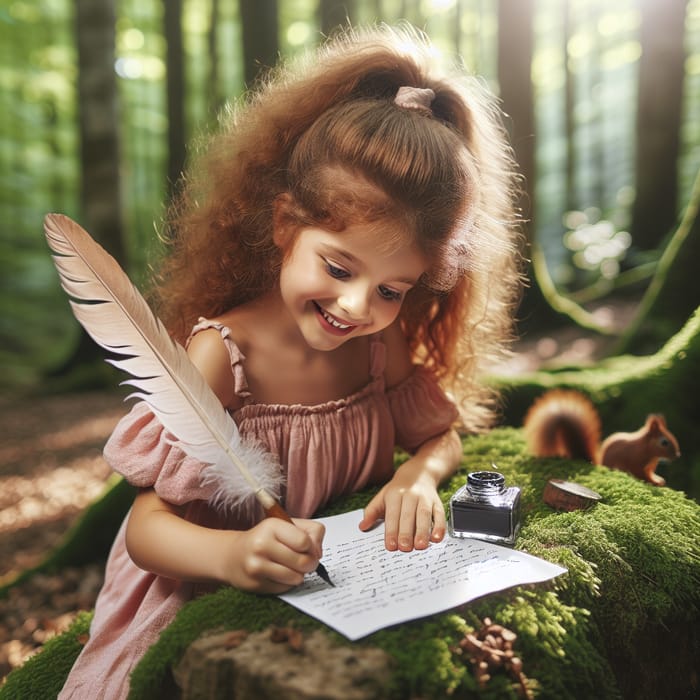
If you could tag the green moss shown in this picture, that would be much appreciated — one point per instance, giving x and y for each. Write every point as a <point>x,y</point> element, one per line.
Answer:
<point>624,616</point>
<point>43,674</point>
<point>633,560</point>
<point>625,389</point>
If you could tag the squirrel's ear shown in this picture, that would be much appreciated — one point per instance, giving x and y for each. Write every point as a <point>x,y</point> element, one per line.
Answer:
<point>655,421</point>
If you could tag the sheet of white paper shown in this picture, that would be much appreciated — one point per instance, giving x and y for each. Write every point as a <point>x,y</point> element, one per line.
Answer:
<point>375,588</point>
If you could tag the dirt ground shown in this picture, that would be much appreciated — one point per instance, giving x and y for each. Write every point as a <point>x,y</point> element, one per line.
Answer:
<point>51,469</point>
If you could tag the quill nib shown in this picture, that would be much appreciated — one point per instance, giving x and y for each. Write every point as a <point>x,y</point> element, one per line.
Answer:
<point>321,571</point>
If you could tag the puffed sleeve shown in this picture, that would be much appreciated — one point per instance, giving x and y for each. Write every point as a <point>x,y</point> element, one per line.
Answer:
<point>420,409</point>
<point>140,450</point>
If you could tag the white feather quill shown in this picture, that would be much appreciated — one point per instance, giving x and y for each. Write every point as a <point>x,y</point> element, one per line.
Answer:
<point>117,317</point>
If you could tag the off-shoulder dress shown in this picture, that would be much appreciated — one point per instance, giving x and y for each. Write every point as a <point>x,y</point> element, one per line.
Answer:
<point>325,450</point>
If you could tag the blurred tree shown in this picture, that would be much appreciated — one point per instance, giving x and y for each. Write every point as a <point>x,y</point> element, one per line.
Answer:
<point>336,13</point>
<point>215,98</point>
<point>659,111</point>
<point>98,116</point>
<point>674,291</point>
<point>98,125</point>
<point>569,89</point>
<point>175,90</point>
<point>260,30</point>
<point>515,50</point>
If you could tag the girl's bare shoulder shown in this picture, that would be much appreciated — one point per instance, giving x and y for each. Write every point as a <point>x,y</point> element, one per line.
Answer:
<point>247,324</point>
<point>209,354</point>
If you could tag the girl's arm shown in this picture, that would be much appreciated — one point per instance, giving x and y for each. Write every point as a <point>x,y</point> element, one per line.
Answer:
<point>410,505</point>
<point>271,557</point>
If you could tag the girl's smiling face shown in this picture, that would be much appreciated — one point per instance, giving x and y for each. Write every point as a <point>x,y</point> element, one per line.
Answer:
<point>337,286</point>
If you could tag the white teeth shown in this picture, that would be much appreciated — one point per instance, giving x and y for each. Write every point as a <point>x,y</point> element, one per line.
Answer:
<point>333,322</point>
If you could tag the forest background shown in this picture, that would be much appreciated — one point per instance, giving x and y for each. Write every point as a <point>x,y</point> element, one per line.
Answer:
<point>102,102</point>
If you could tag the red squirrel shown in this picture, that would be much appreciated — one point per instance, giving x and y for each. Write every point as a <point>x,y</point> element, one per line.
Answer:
<point>564,423</point>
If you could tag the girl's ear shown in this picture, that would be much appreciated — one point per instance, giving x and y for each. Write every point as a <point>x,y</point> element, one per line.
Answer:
<point>284,222</point>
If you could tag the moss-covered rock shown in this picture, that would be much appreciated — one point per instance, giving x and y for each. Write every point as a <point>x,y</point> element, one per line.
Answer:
<point>623,622</point>
<point>625,389</point>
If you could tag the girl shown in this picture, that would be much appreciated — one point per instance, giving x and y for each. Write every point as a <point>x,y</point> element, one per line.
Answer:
<point>344,254</point>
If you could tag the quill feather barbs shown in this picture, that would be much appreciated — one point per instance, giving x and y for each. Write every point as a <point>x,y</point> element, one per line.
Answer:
<point>117,317</point>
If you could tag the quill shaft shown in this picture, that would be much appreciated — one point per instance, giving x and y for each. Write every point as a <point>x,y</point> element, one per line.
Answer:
<point>117,317</point>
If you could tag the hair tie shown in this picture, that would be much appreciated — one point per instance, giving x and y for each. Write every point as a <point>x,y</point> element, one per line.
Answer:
<point>415,98</point>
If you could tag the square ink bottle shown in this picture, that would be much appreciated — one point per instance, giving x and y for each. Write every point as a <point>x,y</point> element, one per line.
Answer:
<point>485,509</point>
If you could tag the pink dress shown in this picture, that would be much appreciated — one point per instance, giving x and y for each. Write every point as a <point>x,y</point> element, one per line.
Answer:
<point>327,450</point>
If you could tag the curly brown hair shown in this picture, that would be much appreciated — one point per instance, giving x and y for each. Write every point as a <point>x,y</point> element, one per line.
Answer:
<point>446,174</point>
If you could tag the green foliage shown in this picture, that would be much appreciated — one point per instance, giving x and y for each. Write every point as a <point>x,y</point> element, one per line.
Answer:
<point>39,140</point>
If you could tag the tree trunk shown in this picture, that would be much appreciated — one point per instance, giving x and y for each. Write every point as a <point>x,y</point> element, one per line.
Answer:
<point>515,49</point>
<point>659,109</point>
<point>674,291</point>
<point>214,95</point>
<point>569,90</point>
<point>98,118</point>
<point>336,13</point>
<point>260,23</point>
<point>175,88</point>
<point>98,124</point>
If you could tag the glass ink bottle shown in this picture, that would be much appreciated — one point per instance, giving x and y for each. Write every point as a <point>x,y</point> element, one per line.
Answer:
<point>485,509</point>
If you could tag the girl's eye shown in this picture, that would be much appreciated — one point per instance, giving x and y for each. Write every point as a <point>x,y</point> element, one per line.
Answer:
<point>389,294</point>
<point>337,272</point>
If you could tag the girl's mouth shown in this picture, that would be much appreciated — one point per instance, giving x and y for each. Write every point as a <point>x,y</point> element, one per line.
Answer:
<point>331,323</point>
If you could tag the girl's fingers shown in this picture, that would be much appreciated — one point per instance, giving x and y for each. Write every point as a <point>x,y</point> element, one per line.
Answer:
<point>408,522</point>
<point>280,553</point>
<point>315,531</point>
<point>439,523</point>
<point>374,510</point>
<point>392,521</point>
<point>424,527</point>
<point>411,524</point>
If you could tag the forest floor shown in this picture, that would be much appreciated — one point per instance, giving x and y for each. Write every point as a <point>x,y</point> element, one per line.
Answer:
<point>51,469</point>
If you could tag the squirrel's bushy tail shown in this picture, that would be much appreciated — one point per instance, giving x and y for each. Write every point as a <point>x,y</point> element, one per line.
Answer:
<point>563,423</point>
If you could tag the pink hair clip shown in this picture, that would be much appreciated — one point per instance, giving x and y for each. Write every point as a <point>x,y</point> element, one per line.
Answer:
<point>415,98</point>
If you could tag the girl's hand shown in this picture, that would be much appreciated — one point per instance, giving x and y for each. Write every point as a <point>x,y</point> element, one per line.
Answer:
<point>412,510</point>
<point>269,558</point>
<point>273,556</point>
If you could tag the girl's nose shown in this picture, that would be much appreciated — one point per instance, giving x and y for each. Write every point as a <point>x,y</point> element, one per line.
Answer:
<point>354,302</point>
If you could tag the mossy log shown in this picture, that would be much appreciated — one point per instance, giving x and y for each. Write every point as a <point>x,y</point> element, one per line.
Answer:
<point>623,622</point>
<point>625,389</point>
